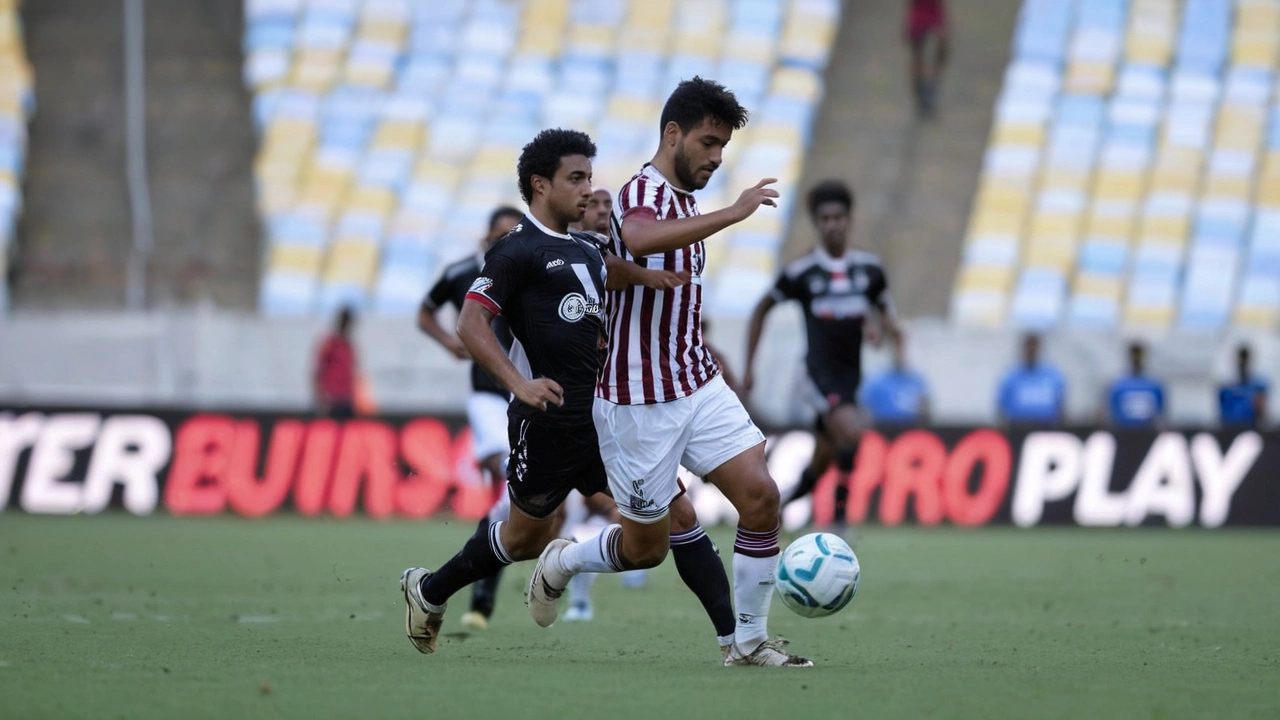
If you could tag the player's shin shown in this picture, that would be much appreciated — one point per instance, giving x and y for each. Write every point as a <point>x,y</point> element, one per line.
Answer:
<point>699,565</point>
<point>481,557</point>
<point>755,559</point>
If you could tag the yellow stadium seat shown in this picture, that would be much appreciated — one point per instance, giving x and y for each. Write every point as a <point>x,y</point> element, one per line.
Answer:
<point>1165,230</point>
<point>393,134</point>
<point>1097,285</point>
<point>1227,186</point>
<point>650,14</point>
<point>441,173</point>
<point>1153,316</point>
<point>372,199</point>
<point>1115,185</point>
<point>322,194</point>
<point>1054,178</point>
<point>754,259</point>
<point>376,75</point>
<point>626,107</point>
<point>750,48</point>
<point>353,263</point>
<point>1018,134</point>
<point>797,83</point>
<point>1268,192</point>
<point>1054,227</point>
<point>300,259</point>
<point>273,198</point>
<point>383,31</point>
<point>598,38</point>
<point>1090,78</point>
<point>1053,255</point>
<point>1267,318</point>
<point>974,277</point>
<point>1117,228</point>
<point>996,223</point>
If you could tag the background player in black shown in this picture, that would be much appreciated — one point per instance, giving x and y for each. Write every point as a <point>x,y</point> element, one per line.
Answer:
<point>840,290</point>
<point>487,406</point>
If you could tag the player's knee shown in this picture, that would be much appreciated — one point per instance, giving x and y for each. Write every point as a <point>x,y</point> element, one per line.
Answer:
<point>759,504</point>
<point>641,557</point>
<point>683,516</point>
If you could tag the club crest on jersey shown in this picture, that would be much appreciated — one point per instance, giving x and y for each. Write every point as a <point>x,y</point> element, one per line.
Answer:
<point>555,263</point>
<point>481,284</point>
<point>816,286</point>
<point>574,307</point>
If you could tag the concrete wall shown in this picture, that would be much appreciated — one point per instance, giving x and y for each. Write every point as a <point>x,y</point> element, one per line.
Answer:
<point>218,359</point>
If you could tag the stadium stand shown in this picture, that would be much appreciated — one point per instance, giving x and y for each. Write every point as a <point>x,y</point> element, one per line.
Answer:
<point>17,103</point>
<point>1132,177</point>
<point>389,129</point>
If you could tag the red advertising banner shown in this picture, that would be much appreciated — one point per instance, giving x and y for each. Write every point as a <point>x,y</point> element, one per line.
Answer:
<point>57,461</point>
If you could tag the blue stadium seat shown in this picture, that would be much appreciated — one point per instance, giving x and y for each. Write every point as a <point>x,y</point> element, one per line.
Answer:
<point>1101,256</point>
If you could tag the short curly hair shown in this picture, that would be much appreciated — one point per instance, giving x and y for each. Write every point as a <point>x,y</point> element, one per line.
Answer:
<point>830,191</point>
<point>542,156</point>
<point>695,100</point>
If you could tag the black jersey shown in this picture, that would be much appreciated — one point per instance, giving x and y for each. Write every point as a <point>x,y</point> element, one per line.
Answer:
<point>452,288</point>
<point>550,287</point>
<point>836,294</point>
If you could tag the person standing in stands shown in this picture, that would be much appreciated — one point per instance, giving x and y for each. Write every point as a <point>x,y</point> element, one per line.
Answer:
<point>1034,392</point>
<point>1243,403</point>
<point>900,396</point>
<point>1136,400</point>
<point>334,379</point>
<point>927,35</point>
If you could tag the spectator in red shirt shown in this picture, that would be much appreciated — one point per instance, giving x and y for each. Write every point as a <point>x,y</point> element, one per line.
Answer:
<point>335,371</point>
<point>926,20</point>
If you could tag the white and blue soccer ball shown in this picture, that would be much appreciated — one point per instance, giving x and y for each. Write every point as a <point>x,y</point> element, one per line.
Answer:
<point>817,575</point>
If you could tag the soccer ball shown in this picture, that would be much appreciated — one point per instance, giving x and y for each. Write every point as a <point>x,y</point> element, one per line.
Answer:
<point>817,575</point>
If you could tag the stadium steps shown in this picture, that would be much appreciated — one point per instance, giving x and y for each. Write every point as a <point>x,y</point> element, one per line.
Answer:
<point>915,180</point>
<point>75,236</point>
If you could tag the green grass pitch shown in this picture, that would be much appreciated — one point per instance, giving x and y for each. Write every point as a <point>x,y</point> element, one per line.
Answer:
<point>118,617</point>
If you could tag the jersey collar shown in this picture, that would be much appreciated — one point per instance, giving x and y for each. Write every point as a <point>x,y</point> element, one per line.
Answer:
<point>656,174</point>
<point>826,260</point>
<point>544,228</point>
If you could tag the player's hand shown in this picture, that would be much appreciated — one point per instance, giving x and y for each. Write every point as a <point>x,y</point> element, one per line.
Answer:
<point>541,392</point>
<point>666,279</point>
<point>872,334</point>
<point>752,198</point>
<point>458,350</point>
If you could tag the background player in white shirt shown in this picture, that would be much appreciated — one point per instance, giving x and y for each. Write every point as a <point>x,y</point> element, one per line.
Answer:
<point>661,401</point>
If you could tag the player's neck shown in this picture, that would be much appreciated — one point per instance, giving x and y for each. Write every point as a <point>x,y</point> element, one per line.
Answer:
<point>548,222</point>
<point>666,166</point>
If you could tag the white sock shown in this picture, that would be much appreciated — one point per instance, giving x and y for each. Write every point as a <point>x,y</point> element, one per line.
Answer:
<point>596,555</point>
<point>755,559</point>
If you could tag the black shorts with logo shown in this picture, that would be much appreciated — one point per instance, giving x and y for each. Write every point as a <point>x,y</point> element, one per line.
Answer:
<point>831,390</point>
<point>547,461</point>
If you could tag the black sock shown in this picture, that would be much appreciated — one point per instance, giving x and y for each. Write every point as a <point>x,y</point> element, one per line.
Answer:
<point>808,480</point>
<point>480,558</point>
<point>485,590</point>
<point>842,502</point>
<point>700,568</point>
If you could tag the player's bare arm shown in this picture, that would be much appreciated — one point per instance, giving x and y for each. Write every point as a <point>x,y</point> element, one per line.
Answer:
<point>475,328</point>
<point>754,333</point>
<point>428,324</point>
<point>624,274</point>
<point>644,234</point>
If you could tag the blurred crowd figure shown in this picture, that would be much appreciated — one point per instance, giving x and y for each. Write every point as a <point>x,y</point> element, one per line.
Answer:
<point>899,396</point>
<point>334,377</point>
<point>1243,402</point>
<point>927,36</point>
<point>1033,392</point>
<point>1135,400</point>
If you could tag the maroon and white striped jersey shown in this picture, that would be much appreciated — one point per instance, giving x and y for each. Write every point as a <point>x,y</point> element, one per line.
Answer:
<point>656,349</point>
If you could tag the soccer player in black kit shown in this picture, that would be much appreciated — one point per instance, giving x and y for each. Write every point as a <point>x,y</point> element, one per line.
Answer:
<point>839,289</point>
<point>549,284</point>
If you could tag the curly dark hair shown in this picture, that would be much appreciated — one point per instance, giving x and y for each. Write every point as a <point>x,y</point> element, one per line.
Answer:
<point>830,191</point>
<point>695,100</point>
<point>542,156</point>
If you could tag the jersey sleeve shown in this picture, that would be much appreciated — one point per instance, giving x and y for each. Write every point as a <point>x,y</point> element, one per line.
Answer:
<point>639,196</point>
<point>878,291</point>
<point>503,275</point>
<point>786,288</point>
<point>438,295</point>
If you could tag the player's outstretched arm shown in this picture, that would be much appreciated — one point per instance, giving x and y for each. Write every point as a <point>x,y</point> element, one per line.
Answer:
<point>753,339</point>
<point>624,274</point>
<point>428,324</point>
<point>644,234</point>
<point>475,328</point>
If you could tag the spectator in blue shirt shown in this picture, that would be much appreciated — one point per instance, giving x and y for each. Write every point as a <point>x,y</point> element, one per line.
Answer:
<point>900,396</point>
<point>1244,402</point>
<point>1136,400</point>
<point>1032,393</point>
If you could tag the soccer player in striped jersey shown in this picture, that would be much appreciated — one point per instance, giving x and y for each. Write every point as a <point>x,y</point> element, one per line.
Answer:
<point>661,401</point>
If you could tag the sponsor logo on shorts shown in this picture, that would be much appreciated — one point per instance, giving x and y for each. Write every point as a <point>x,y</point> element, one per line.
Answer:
<point>481,284</point>
<point>638,500</point>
